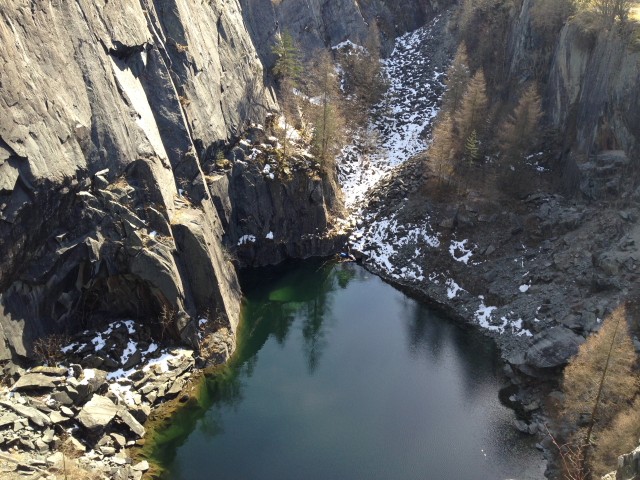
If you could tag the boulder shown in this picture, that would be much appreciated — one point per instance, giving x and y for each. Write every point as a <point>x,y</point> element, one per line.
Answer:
<point>553,348</point>
<point>36,381</point>
<point>34,415</point>
<point>131,422</point>
<point>97,413</point>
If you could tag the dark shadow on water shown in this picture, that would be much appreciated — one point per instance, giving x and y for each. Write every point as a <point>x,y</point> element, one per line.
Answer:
<point>297,302</point>
<point>275,298</point>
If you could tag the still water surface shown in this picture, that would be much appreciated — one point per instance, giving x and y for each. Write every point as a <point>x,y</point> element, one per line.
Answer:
<point>340,376</point>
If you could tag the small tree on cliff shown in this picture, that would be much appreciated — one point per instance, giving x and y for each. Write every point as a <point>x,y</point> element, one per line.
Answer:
<point>326,115</point>
<point>287,70</point>
<point>598,383</point>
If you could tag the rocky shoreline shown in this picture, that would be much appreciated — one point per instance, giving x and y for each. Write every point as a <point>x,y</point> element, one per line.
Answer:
<point>537,274</point>
<point>88,412</point>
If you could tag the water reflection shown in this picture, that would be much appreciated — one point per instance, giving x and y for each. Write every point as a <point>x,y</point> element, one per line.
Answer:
<point>338,375</point>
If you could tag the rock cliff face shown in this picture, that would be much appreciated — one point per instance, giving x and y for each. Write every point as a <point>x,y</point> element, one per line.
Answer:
<point>590,96</point>
<point>317,24</point>
<point>593,90</point>
<point>107,110</point>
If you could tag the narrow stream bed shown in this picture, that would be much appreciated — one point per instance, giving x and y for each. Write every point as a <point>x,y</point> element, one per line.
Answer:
<point>340,376</point>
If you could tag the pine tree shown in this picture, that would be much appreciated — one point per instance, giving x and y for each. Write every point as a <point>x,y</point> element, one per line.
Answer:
<point>288,63</point>
<point>598,383</point>
<point>442,152</point>
<point>472,147</point>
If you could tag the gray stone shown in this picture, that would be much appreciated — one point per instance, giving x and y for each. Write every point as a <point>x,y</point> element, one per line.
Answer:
<point>553,348</point>
<point>33,381</point>
<point>57,417</point>
<point>119,439</point>
<point>97,412</point>
<point>62,397</point>
<point>7,418</point>
<point>107,451</point>
<point>53,371</point>
<point>74,445</point>
<point>55,459</point>
<point>141,466</point>
<point>131,422</point>
<point>67,412</point>
<point>34,415</point>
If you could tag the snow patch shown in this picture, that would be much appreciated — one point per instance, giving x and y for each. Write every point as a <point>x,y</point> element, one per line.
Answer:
<point>452,288</point>
<point>246,239</point>
<point>460,252</point>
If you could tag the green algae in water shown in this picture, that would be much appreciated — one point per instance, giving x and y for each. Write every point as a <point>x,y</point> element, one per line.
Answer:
<point>345,377</point>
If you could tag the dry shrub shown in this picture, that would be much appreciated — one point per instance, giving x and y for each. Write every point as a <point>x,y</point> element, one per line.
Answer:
<point>47,349</point>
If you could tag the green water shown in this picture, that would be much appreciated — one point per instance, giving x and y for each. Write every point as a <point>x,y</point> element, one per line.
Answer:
<point>340,376</point>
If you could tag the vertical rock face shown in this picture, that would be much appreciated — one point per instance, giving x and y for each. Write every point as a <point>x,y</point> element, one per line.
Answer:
<point>594,84</point>
<point>319,24</point>
<point>106,109</point>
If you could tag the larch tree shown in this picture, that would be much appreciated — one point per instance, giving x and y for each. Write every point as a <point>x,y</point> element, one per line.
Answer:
<point>443,150</point>
<point>519,133</point>
<point>472,115</point>
<point>458,76</point>
<point>326,114</point>
<point>599,383</point>
<point>287,70</point>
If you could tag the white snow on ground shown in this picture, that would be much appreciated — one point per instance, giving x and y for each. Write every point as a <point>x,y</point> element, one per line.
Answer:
<point>269,236</point>
<point>384,239</point>
<point>349,44</point>
<point>128,351</point>
<point>406,110</point>
<point>483,314</point>
<point>99,342</point>
<point>267,171</point>
<point>460,252</point>
<point>246,239</point>
<point>452,288</point>
<point>524,288</point>
<point>484,317</point>
<point>397,134</point>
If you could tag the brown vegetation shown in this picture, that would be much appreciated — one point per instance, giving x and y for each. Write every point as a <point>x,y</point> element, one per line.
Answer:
<point>599,386</point>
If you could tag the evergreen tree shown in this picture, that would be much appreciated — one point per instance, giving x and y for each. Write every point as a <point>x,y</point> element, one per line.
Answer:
<point>442,152</point>
<point>472,147</point>
<point>363,76</point>
<point>519,133</point>
<point>288,63</point>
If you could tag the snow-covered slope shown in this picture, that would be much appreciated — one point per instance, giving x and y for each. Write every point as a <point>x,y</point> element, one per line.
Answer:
<point>404,116</point>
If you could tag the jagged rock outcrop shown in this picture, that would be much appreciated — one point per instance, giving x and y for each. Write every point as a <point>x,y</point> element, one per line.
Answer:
<point>106,112</point>
<point>273,209</point>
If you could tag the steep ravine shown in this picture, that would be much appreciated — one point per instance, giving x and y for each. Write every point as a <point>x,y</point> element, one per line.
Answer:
<point>112,117</point>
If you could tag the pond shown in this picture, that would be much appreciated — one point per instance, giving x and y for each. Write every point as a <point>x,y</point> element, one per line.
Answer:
<point>338,375</point>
